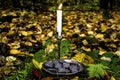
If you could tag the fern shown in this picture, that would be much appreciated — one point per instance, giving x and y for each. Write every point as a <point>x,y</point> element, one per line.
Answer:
<point>40,56</point>
<point>97,70</point>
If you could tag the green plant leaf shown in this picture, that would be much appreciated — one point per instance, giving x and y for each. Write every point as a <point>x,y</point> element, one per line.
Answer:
<point>64,50</point>
<point>115,71</point>
<point>91,39</point>
<point>94,54</point>
<point>96,70</point>
<point>116,60</point>
<point>108,54</point>
<point>47,42</point>
<point>104,62</point>
<point>39,56</point>
<point>65,43</point>
<point>52,55</point>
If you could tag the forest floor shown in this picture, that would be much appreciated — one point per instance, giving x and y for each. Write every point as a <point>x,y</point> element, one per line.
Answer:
<point>23,33</point>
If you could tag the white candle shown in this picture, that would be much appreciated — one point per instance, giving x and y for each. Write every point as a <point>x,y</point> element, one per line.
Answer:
<point>59,22</point>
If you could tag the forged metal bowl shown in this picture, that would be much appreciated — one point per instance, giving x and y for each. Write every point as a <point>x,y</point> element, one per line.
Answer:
<point>62,67</point>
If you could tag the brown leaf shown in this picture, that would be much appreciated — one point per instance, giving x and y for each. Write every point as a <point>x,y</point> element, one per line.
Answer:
<point>48,78</point>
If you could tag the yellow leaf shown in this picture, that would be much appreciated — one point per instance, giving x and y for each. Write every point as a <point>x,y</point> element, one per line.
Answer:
<point>49,48</point>
<point>103,27</point>
<point>113,45</point>
<point>82,35</point>
<point>83,58</point>
<point>50,34</point>
<point>24,33</point>
<point>43,37</point>
<point>9,63</point>
<point>14,45</point>
<point>29,32</point>
<point>10,32</point>
<point>14,51</point>
<point>23,53</point>
<point>10,58</point>
<point>68,34</point>
<point>30,54</point>
<point>89,25</point>
<point>90,32</point>
<point>86,49</point>
<point>65,28</point>
<point>106,58</point>
<point>32,40</point>
<point>6,72</point>
<point>75,78</point>
<point>117,53</point>
<point>64,57</point>
<point>101,52</point>
<point>37,64</point>
<point>76,30</point>
<point>13,14</point>
<point>112,78</point>
<point>99,36</point>
<point>4,39</point>
<point>40,65</point>
<point>23,13</point>
<point>14,20</point>
<point>73,46</point>
<point>4,14</point>
<point>85,42</point>
<point>28,43</point>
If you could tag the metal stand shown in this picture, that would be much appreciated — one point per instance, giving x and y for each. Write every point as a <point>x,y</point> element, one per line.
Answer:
<point>62,67</point>
<point>59,43</point>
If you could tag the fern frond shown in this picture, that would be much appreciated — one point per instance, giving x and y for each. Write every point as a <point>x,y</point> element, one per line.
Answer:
<point>96,70</point>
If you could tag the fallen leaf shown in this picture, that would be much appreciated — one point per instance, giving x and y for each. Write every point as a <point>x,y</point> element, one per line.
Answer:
<point>14,51</point>
<point>83,58</point>
<point>85,42</point>
<point>101,51</point>
<point>89,26</point>
<point>49,48</point>
<point>28,43</point>
<point>103,27</point>
<point>90,32</point>
<point>29,33</point>
<point>6,72</point>
<point>99,36</point>
<point>10,32</point>
<point>85,49</point>
<point>106,58</point>
<point>73,46</point>
<point>10,58</point>
<point>37,64</point>
<point>48,78</point>
<point>50,34</point>
<point>23,33</point>
<point>117,53</point>
<point>112,78</point>
<point>82,35</point>
<point>75,78</point>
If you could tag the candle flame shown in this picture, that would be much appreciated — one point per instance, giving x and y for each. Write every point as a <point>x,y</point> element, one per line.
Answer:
<point>60,6</point>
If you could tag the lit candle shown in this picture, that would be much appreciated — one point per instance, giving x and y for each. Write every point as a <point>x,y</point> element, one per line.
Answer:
<point>59,20</point>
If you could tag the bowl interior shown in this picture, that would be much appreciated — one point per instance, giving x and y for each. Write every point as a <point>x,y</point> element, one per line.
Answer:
<point>63,67</point>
